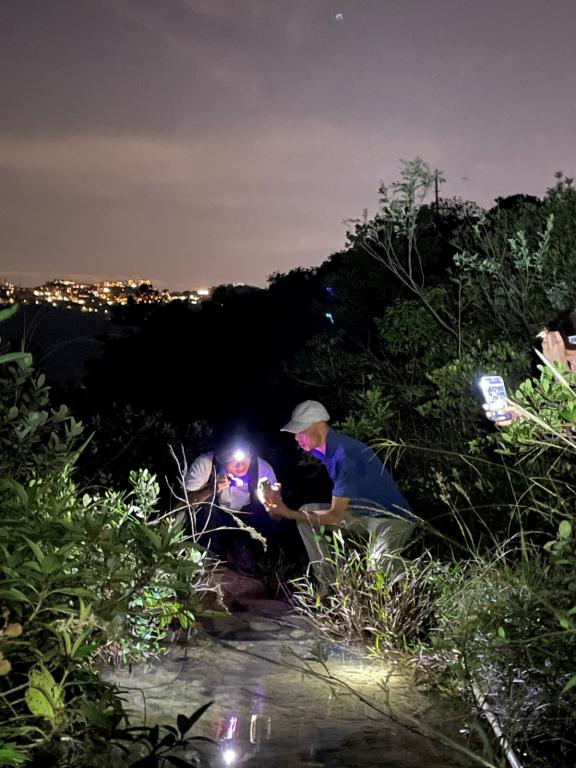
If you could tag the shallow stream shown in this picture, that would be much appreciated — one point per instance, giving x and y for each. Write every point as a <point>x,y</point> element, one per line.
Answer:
<point>282,698</point>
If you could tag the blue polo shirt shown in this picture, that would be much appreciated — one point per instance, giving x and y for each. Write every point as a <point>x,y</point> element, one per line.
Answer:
<point>359,475</point>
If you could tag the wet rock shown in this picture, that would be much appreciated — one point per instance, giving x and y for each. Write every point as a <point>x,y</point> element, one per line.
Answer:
<point>263,625</point>
<point>270,609</point>
<point>231,586</point>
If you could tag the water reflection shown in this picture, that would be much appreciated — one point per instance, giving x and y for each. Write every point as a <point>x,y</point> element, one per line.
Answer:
<point>238,737</point>
<point>265,713</point>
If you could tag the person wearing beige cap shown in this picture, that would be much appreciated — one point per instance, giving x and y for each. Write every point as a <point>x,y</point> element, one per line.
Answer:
<point>364,495</point>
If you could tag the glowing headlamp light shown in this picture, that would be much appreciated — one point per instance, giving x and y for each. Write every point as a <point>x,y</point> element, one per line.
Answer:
<point>239,455</point>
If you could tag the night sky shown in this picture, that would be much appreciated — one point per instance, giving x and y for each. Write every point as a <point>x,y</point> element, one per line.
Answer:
<point>196,142</point>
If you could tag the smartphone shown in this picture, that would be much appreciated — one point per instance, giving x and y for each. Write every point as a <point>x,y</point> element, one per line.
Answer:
<point>494,393</point>
<point>263,485</point>
<point>569,341</point>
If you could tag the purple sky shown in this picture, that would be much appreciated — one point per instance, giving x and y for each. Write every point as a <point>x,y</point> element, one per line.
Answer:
<point>204,141</point>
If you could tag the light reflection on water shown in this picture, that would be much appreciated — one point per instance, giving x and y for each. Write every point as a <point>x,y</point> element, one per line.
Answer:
<point>267,714</point>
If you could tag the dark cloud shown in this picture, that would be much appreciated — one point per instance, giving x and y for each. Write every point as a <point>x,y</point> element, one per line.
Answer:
<point>198,141</point>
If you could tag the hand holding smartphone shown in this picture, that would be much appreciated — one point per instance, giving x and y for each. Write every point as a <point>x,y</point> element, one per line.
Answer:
<point>268,493</point>
<point>495,398</point>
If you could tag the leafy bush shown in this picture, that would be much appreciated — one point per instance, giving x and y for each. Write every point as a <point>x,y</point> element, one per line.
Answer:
<point>510,620</point>
<point>80,574</point>
<point>369,416</point>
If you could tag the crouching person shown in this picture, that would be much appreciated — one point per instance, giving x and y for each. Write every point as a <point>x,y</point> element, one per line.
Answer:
<point>221,489</point>
<point>365,498</point>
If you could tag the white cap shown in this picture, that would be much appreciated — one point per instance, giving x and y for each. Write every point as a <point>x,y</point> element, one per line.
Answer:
<point>305,414</point>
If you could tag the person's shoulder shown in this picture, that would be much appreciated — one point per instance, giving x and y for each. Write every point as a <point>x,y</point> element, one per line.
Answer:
<point>204,459</point>
<point>199,472</point>
<point>347,443</point>
<point>348,449</point>
<point>264,467</point>
<point>200,468</point>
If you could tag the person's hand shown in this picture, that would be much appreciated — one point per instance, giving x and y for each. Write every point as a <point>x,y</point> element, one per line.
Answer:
<point>222,482</point>
<point>272,498</point>
<point>496,416</point>
<point>553,347</point>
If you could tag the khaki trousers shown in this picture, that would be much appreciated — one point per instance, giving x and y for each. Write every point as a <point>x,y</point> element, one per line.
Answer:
<point>387,535</point>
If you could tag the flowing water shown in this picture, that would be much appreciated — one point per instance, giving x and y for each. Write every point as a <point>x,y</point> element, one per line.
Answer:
<point>282,698</point>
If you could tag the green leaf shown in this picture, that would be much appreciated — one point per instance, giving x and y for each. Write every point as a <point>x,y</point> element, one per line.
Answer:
<point>86,650</point>
<point>182,723</point>
<point>94,714</point>
<point>565,623</point>
<point>39,704</point>
<point>51,563</point>
<point>13,594</point>
<point>185,723</point>
<point>152,537</point>
<point>18,489</point>
<point>570,684</point>
<point>12,357</point>
<point>168,740</point>
<point>38,554</point>
<point>565,530</point>
<point>74,591</point>
<point>8,755</point>
<point>501,633</point>
<point>65,637</point>
<point>44,696</point>
<point>154,735</point>
<point>6,314</point>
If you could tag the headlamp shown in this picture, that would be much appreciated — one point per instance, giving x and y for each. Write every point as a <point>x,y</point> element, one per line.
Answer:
<point>239,455</point>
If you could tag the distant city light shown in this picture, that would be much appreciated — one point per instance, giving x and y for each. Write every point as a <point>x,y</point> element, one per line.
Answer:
<point>96,297</point>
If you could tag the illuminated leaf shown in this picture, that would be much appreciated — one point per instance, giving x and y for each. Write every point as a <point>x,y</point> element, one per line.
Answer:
<point>44,696</point>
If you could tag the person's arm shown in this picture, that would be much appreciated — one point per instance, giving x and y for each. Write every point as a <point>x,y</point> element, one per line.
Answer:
<point>199,482</point>
<point>331,516</point>
<point>207,491</point>
<point>202,494</point>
